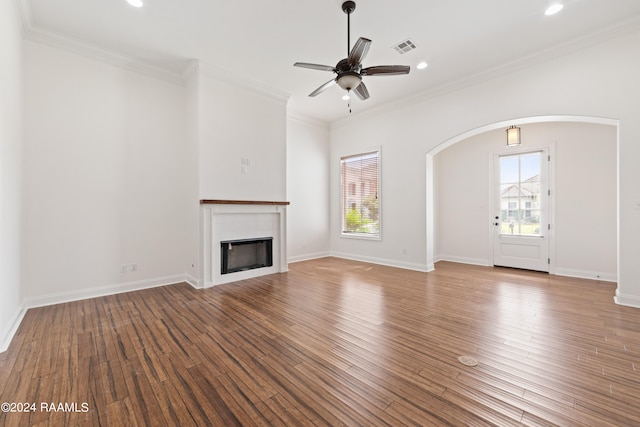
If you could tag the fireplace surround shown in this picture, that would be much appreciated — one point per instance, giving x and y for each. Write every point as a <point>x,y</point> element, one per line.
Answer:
<point>238,221</point>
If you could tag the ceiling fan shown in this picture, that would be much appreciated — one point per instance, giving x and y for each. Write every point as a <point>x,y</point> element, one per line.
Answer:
<point>349,71</point>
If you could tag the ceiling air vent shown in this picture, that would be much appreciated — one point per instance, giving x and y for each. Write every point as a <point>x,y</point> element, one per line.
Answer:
<point>404,46</point>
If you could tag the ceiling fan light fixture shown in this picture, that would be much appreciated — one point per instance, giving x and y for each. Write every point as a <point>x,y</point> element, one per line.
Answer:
<point>135,3</point>
<point>349,80</point>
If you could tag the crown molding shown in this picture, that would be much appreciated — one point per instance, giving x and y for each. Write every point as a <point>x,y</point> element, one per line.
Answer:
<point>24,13</point>
<point>110,57</point>
<point>191,66</point>
<point>191,69</point>
<point>30,32</point>
<point>252,85</point>
<point>306,119</point>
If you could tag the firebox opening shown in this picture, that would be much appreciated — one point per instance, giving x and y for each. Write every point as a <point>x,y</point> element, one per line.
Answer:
<point>245,254</point>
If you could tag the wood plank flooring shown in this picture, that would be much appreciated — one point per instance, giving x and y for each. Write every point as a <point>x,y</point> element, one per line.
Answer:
<point>334,342</point>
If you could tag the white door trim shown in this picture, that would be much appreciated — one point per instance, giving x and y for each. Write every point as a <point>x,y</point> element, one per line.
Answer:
<point>549,236</point>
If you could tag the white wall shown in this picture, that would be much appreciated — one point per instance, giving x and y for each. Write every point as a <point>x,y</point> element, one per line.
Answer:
<point>11,308</point>
<point>599,81</point>
<point>586,201</point>
<point>584,191</point>
<point>402,203</point>
<point>236,124</point>
<point>106,178</point>
<point>307,189</point>
<point>192,120</point>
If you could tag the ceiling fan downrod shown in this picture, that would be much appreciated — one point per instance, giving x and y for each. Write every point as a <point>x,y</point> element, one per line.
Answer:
<point>348,7</point>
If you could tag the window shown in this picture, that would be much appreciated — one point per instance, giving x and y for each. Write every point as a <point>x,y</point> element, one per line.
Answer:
<point>520,193</point>
<point>360,195</point>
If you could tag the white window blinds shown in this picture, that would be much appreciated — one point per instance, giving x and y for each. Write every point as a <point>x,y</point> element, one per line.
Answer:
<point>360,194</point>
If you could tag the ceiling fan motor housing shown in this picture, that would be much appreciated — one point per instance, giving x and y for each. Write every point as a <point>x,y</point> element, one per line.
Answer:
<point>343,66</point>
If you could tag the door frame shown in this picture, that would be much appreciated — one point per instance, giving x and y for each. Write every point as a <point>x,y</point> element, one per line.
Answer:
<point>550,149</point>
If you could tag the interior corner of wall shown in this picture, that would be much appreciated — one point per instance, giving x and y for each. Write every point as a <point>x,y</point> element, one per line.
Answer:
<point>8,332</point>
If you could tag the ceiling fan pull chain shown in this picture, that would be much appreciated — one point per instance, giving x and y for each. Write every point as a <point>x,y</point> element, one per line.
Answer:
<point>349,102</point>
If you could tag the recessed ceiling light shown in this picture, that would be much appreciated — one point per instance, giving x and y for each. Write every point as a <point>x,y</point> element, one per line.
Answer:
<point>135,3</point>
<point>422,65</point>
<point>553,9</point>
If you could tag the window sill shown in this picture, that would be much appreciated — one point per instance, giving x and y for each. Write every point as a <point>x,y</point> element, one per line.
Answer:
<point>360,236</point>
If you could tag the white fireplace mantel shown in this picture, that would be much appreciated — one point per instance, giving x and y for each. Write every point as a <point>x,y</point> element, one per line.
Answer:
<point>222,220</point>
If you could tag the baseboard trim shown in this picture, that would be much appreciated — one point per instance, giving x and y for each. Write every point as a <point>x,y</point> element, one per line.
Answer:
<point>464,260</point>
<point>307,257</point>
<point>382,261</point>
<point>63,297</point>
<point>10,331</point>
<point>627,300</point>
<point>195,283</point>
<point>583,274</point>
<point>567,272</point>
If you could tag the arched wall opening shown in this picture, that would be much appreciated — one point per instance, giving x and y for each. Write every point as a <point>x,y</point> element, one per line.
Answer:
<point>431,187</point>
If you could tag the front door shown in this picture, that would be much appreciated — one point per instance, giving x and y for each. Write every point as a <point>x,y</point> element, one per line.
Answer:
<point>521,210</point>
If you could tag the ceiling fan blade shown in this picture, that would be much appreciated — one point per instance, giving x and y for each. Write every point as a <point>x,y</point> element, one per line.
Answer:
<point>324,87</point>
<point>389,70</point>
<point>361,91</point>
<point>359,51</point>
<point>314,66</point>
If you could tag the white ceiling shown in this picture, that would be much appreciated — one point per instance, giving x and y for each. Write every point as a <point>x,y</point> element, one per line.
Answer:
<point>258,41</point>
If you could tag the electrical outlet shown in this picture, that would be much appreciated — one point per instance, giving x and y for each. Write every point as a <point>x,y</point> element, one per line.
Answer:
<point>134,267</point>
<point>123,269</point>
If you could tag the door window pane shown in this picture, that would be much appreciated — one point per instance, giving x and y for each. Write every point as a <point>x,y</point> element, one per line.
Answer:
<point>520,194</point>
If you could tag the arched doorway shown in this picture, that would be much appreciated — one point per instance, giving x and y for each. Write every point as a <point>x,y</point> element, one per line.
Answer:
<point>498,129</point>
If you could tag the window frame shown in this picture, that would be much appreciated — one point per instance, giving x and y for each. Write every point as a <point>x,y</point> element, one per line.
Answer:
<point>345,197</point>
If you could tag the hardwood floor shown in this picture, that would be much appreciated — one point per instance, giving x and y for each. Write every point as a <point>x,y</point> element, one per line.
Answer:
<point>334,342</point>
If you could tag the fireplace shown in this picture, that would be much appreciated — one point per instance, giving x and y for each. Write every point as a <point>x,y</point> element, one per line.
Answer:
<point>245,254</point>
<point>241,224</point>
